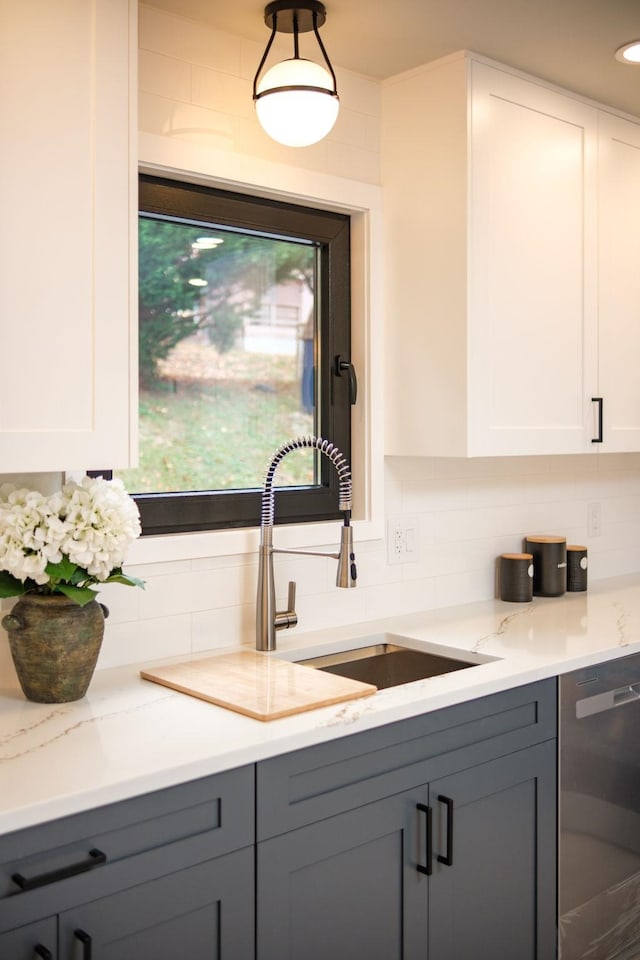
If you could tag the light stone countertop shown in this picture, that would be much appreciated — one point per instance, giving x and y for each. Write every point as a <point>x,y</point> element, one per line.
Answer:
<point>129,736</point>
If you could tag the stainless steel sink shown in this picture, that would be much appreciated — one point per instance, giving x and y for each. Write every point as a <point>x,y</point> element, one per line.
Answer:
<point>392,661</point>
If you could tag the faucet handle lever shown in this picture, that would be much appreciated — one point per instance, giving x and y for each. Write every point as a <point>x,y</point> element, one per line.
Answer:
<point>291,597</point>
<point>287,618</point>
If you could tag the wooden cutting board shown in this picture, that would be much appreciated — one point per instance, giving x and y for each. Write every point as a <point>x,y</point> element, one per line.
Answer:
<point>257,684</point>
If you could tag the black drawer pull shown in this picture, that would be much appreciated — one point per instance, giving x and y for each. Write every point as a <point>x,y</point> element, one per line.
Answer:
<point>42,879</point>
<point>86,942</point>
<point>427,868</point>
<point>448,857</point>
<point>42,952</point>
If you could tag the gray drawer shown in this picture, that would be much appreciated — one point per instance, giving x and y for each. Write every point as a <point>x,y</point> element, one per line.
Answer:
<point>308,785</point>
<point>195,821</point>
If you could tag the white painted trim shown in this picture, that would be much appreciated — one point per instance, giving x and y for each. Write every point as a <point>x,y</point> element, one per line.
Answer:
<point>196,163</point>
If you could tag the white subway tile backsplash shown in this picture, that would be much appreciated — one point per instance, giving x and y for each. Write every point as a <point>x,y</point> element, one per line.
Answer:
<point>187,40</point>
<point>218,91</point>
<point>393,599</point>
<point>333,608</point>
<point>432,495</point>
<point>350,128</point>
<point>352,162</point>
<point>359,93</point>
<point>144,640</point>
<point>469,512</point>
<point>223,587</point>
<point>164,76</point>
<point>373,133</point>
<point>224,627</point>
<point>185,121</point>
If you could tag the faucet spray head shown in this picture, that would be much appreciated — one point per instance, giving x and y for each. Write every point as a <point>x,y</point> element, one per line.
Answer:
<point>347,573</point>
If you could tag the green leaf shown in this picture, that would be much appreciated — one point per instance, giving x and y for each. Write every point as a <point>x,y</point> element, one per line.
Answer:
<point>119,577</point>
<point>79,595</point>
<point>63,570</point>
<point>10,586</point>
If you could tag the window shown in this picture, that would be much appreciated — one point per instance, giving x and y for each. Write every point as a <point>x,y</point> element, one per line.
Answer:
<point>244,343</point>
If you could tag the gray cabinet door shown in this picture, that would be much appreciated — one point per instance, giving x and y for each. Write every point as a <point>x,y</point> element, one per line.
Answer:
<point>35,941</point>
<point>497,898</point>
<point>202,913</point>
<point>347,887</point>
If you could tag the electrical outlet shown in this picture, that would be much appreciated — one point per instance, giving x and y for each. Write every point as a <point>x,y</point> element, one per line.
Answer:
<point>403,540</point>
<point>594,518</point>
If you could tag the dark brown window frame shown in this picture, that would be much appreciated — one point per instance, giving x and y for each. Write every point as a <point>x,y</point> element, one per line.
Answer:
<point>188,511</point>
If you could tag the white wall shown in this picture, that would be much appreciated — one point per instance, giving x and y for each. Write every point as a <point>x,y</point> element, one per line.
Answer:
<point>196,85</point>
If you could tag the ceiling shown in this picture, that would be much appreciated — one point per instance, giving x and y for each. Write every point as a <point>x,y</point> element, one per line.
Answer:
<point>567,42</point>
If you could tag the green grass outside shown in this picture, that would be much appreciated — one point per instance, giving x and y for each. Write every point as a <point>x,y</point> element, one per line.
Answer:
<point>220,432</point>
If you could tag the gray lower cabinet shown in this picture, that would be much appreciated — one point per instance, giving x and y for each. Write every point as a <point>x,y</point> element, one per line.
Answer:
<point>165,875</point>
<point>346,887</point>
<point>459,866</point>
<point>203,913</point>
<point>30,942</point>
<point>495,897</point>
<point>429,837</point>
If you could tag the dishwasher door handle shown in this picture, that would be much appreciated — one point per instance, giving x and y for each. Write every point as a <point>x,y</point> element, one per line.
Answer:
<point>601,702</point>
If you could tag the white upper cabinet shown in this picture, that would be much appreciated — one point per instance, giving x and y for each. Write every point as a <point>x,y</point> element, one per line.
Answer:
<point>67,235</point>
<point>491,202</point>
<point>619,281</point>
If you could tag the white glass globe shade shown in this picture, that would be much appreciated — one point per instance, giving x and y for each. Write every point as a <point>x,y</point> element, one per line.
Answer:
<point>296,118</point>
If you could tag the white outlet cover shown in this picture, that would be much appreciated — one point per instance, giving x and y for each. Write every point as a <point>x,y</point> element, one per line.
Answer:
<point>403,540</point>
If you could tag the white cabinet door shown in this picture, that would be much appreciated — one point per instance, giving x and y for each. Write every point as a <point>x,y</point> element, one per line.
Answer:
<point>67,196</point>
<point>490,186</point>
<point>619,282</point>
<point>532,327</point>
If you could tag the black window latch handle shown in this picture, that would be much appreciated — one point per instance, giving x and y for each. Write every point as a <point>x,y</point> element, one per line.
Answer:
<point>342,367</point>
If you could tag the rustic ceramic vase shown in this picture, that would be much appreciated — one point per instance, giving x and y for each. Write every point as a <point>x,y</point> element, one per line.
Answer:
<point>55,645</point>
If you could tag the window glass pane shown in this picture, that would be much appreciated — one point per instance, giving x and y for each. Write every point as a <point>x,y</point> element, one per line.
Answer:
<point>228,357</point>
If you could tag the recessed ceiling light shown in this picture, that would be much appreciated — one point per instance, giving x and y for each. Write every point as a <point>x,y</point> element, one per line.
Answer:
<point>629,53</point>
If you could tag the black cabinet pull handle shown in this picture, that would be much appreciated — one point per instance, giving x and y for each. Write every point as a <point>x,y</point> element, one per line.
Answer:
<point>86,942</point>
<point>41,951</point>
<point>600,402</point>
<point>42,879</point>
<point>427,868</point>
<point>344,366</point>
<point>448,857</point>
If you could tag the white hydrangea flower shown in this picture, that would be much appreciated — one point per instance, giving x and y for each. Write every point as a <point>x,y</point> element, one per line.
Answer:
<point>101,521</point>
<point>91,523</point>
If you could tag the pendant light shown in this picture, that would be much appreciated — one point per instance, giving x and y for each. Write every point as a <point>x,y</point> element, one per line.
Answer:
<point>296,100</point>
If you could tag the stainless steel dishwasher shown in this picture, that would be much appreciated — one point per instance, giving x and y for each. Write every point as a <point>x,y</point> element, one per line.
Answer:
<point>599,823</point>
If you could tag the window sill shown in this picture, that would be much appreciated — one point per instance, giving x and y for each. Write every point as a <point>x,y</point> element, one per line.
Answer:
<point>220,543</point>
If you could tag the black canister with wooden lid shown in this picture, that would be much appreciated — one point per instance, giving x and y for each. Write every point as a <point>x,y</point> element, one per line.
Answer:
<point>516,577</point>
<point>577,563</point>
<point>549,565</point>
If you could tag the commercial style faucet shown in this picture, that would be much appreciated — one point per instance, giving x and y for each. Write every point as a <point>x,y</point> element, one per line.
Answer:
<point>268,619</point>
